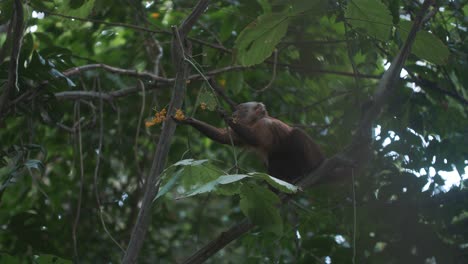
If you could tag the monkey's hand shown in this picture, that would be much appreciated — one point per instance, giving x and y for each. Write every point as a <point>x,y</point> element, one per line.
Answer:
<point>223,113</point>
<point>225,116</point>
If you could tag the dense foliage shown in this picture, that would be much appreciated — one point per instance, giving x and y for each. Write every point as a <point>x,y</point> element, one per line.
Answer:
<point>75,151</point>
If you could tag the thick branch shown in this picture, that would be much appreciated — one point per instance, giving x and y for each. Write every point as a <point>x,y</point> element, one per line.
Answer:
<point>360,141</point>
<point>153,179</point>
<point>16,47</point>
<point>188,23</point>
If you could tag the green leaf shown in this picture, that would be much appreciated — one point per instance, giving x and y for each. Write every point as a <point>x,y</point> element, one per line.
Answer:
<point>266,7</point>
<point>72,8</point>
<point>5,258</point>
<point>258,40</point>
<point>234,82</point>
<point>51,259</point>
<point>171,183</point>
<point>276,183</point>
<point>370,15</point>
<point>6,8</point>
<point>195,171</point>
<point>210,186</point>
<point>426,45</point>
<point>83,11</point>
<point>190,162</point>
<point>260,205</point>
<point>74,4</point>
<point>311,7</point>
<point>207,97</point>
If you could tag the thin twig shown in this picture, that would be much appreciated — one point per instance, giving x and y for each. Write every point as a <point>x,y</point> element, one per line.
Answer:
<point>80,194</point>
<point>273,76</point>
<point>140,119</point>
<point>79,69</point>
<point>96,169</point>
<point>97,21</point>
<point>154,77</point>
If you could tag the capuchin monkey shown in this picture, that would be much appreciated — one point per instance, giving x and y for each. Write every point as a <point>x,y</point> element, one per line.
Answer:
<point>287,152</point>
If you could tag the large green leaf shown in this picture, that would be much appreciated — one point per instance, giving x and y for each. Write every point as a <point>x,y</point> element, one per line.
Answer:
<point>370,15</point>
<point>276,183</point>
<point>426,45</point>
<point>260,205</point>
<point>188,167</point>
<point>212,185</point>
<point>258,40</point>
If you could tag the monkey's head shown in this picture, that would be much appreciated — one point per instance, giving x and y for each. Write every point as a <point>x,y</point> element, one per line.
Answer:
<point>250,112</point>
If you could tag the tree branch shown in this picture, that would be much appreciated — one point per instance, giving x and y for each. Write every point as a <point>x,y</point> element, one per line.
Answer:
<point>12,82</point>
<point>360,141</point>
<point>153,179</point>
<point>76,70</point>
<point>80,69</point>
<point>433,86</point>
<point>220,242</point>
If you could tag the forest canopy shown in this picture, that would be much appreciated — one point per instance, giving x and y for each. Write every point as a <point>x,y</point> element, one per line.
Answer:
<point>94,168</point>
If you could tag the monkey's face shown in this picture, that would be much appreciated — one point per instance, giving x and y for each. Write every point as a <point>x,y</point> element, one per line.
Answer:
<point>250,112</point>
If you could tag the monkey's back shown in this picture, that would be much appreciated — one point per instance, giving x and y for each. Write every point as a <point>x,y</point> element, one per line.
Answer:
<point>294,156</point>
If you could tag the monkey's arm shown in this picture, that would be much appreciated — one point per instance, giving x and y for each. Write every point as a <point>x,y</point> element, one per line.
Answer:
<point>220,135</point>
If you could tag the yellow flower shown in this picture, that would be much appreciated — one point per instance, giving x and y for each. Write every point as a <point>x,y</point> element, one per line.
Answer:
<point>155,15</point>
<point>179,115</point>
<point>158,118</point>
<point>149,123</point>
